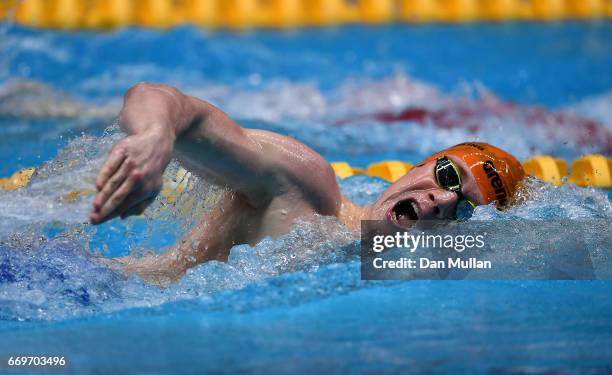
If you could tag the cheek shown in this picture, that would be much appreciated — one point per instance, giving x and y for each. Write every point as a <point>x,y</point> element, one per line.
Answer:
<point>472,191</point>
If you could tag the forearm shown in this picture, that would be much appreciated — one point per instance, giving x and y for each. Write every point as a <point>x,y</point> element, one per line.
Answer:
<point>211,239</point>
<point>170,266</point>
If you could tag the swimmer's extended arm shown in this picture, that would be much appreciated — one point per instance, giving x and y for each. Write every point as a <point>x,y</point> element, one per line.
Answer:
<point>201,244</point>
<point>255,163</point>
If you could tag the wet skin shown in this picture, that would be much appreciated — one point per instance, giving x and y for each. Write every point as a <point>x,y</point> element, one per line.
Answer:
<point>271,181</point>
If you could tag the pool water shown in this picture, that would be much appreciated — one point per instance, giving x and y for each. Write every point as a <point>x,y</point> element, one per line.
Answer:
<point>297,304</point>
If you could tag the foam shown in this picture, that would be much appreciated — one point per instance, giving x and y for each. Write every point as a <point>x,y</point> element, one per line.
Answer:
<point>50,274</point>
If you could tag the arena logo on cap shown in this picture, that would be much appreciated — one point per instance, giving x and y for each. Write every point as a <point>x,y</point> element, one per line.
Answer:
<point>475,145</point>
<point>496,182</point>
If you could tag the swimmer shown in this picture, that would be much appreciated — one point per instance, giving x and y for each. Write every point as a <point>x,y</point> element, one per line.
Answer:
<point>272,180</point>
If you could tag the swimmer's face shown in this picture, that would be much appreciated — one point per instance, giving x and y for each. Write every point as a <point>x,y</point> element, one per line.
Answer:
<point>417,196</point>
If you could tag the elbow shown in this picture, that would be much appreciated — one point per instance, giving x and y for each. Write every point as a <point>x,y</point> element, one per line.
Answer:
<point>158,103</point>
<point>147,100</point>
<point>147,88</point>
<point>137,90</point>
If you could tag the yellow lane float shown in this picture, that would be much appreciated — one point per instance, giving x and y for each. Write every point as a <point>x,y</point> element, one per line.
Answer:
<point>344,170</point>
<point>390,170</point>
<point>241,14</point>
<point>548,10</point>
<point>546,168</point>
<point>590,170</point>
<point>108,14</point>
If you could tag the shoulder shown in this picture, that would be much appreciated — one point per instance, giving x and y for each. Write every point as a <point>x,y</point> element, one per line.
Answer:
<point>298,166</point>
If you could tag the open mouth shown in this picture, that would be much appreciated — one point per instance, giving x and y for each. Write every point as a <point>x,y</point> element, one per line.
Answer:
<point>404,213</point>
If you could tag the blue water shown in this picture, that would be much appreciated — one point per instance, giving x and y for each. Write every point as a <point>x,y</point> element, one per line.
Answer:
<point>297,304</point>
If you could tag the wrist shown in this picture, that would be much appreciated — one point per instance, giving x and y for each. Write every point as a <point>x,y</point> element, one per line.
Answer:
<point>163,132</point>
<point>163,138</point>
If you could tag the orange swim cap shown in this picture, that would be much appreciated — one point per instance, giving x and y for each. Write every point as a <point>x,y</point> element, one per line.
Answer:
<point>497,173</point>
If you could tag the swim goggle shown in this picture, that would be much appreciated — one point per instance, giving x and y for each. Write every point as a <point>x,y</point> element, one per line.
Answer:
<point>448,177</point>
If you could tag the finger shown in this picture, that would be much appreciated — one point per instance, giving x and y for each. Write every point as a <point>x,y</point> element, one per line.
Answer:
<point>114,161</point>
<point>138,209</point>
<point>130,184</point>
<point>111,186</point>
<point>118,198</point>
<point>99,217</point>
<point>130,200</point>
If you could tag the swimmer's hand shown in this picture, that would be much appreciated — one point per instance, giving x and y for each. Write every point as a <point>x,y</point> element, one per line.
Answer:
<point>131,177</point>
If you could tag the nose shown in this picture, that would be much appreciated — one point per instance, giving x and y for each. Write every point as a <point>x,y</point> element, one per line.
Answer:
<point>436,203</point>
